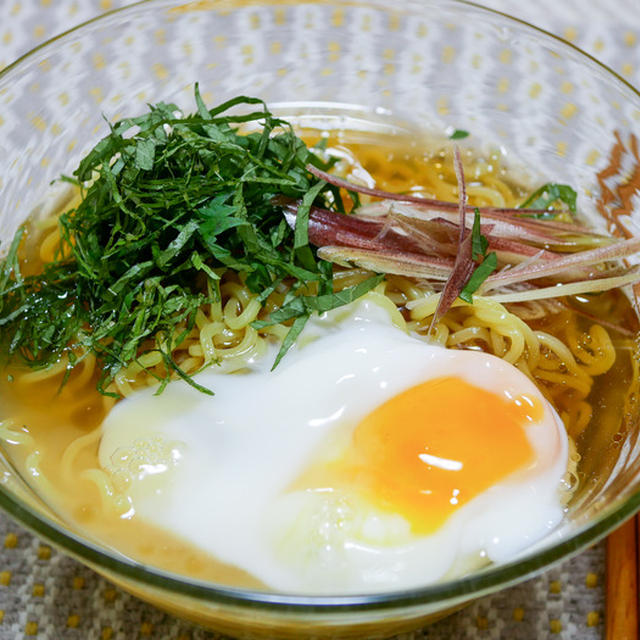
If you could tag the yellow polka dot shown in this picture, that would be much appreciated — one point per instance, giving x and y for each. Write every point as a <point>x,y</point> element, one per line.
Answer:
<point>282,71</point>
<point>555,626</point>
<point>591,158</point>
<point>627,69</point>
<point>73,9</point>
<point>44,552</point>
<point>98,61</point>
<point>535,89</point>
<point>11,541</point>
<point>1,120</point>
<point>503,85</point>
<point>39,31</point>
<point>7,37</point>
<point>109,595</point>
<point>518,614</point>
<point>280,17</point>
<point>505,56</point>
<point>64,99</point>
<point>72,145</point>
<point>15,10</point>
<point>482,622</point>
<point>569,110</point>
<point>443,106</point>
<point>78,582</point>
<point>254,21</point>
<point>5,578</point>
<point>45,65</point>
<point>630,39</point>
<point>389,69</point>
<point>422,30</point>
<point>394,22</point>
<point>105,5</point>
<point>598,45</point>
<point>476,61</point>
<point>45,3</point>
<point>593,619</point>
<point>56,129</point>
<point>31,628</point>
<point>566,87</point>
<point>448,54</point>
<point>38,590</point>
<point>570,34</point>
<point>160,36</point>
<point>96,93</point>
<point>45,162</point>
<point>592,578</point>
<point>107,633</point>
<point>326,71</point>
<point>146,629</point>
<point>337,18</point>
<point>73,621</point>
<point>160,71</point>
<point>555,586</point>
<point>276,47</point>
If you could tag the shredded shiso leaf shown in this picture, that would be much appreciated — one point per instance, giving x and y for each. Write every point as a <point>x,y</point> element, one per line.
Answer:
<point>169,202</point>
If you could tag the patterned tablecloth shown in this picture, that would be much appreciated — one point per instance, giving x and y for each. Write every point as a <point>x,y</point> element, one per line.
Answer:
<point>46,595</point>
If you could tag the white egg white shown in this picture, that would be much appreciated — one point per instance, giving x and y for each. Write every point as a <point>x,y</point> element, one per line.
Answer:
<point>230,460</point>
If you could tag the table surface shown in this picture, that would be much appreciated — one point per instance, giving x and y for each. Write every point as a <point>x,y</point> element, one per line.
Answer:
<point>46,595</point>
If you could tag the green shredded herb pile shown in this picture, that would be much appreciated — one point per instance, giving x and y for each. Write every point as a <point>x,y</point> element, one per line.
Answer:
<point>168,203</point>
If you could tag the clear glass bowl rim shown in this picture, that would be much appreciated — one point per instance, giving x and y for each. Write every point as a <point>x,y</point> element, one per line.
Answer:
<point>447,593</point>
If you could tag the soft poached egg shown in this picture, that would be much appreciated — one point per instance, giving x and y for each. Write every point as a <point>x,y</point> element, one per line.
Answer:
<point>368,460</point>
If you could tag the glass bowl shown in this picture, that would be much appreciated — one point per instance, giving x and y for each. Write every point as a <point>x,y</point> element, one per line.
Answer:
<point>436,65</point>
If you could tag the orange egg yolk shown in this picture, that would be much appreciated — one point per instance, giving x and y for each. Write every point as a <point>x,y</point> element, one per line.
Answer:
<point>432,448</point>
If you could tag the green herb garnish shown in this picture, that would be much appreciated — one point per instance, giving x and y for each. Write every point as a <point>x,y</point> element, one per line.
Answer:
<point>486,263</point>
<point>169,202</point>
<point>548,195</point>
<point>458,134</point>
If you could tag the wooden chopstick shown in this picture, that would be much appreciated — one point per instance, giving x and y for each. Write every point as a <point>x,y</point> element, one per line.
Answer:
<point>623,551</point>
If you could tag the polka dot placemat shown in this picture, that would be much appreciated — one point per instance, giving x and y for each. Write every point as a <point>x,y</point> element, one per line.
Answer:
<point>44,594</point>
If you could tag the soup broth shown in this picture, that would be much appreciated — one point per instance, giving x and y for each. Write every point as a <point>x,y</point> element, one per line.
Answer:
<point>586,367</point>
